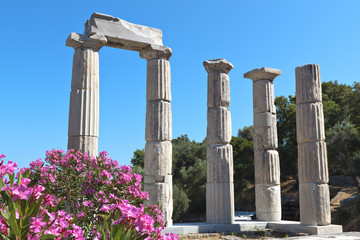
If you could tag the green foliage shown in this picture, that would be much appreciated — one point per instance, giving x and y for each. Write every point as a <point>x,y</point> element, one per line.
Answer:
<point>243,160</point>
<point>247,133</point>
<point>343,145</point>
<point>286,127</point>
<point>138,158</point>
<point>181,201</point>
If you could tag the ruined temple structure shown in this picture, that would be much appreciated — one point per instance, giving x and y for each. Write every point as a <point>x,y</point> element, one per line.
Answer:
<point>104,30</point>
<point>83,133</point>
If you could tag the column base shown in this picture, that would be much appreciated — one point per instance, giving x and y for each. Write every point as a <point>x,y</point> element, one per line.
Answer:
<point>220,203</point>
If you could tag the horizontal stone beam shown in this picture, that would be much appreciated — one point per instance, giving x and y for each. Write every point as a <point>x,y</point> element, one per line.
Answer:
<point>122,34</point>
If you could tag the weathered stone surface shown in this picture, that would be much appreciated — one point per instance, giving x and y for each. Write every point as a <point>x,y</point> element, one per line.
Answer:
<point>220,164</point>
<point>219,203</point>
<point>122,34</point>
<point>267,167</point>
<point>263,96</point>
<point>268,202</point>
<point>85,71</point>
<point>161,194</point>
<point>312,162</point>
<point>219,126</point>
<point>314,204</point>
<point>308,83</point>
<point>83,130</point>
<point>87,144</point>
<point>158,83</point>
<point>263,73</point>
<point>158,121</point>
<point>218,89</point>
<point>266,119</point>
<point>95,42</point>
<point>218,65</point>
<point>158,159</point>
<point>156,52</point>
<point>310,122</point>
<point>265,138</point>
<point>84,113</point>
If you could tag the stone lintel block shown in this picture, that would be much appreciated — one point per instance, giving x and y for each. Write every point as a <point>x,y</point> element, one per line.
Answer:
<point>220,164</point>
<point>263,96</point>
<point>95,41</point>
<point>263,73</point>
<point>161,194</point>
<point>218,126</point>
<point>158,159</point>
<point>310,126</point>
<point>84,113</point>
<point>158,121</point>
<point>308,83</point>
<point>158,81</point>
<point>312,162</point>
<point>218,89</point>
<point>267,167</point>
<point>314,204</point>
<point>220,203</point>
<point>87,144</point>
<point>268,202</point>
<point>85,70</point>
<point>122,34</point>
<point>266,137</point>
<point>156,52</point>
<point>218,65</point>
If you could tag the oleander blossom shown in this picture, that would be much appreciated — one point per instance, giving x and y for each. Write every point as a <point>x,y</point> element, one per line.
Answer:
<point>98,192</point>
<point>23,195</point>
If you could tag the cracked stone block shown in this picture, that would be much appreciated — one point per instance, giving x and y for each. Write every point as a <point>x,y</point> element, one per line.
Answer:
<point>158,121</point>
<point>218,90</point>
<point>310,122</point>
<point>219,126</point>
<point>268,202</point>
<point>308,84</point>
<point>312,162</point>
<point>158,85</point>
<point>158,159</point>
<point>219,164</point>
<point>267,167</point>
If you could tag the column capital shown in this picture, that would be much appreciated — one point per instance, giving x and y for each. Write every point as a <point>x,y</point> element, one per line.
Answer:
<point>263,73</point>
<point>155,52</point>
<point>218,65</point>
<point>77,40</point>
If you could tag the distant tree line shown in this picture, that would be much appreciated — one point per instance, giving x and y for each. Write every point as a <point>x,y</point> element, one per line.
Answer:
<point>341,105</point>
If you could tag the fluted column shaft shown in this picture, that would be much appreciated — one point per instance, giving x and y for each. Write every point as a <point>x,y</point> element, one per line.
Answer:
<point>312,153</point>
<point>83,129</point>
<point>266,158</point>
<point>220,184</point>
<point>158,129</point>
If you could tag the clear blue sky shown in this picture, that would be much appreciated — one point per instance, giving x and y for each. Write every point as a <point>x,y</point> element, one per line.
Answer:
<point>35,65</point>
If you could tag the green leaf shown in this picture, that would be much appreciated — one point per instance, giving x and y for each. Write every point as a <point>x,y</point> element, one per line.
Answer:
<point>48,236</point>
<point>4,237</point>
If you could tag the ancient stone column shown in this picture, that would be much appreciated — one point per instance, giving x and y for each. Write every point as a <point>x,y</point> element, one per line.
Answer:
<point>220,184</point>
<point>266,158</point>
<point>83,130</point>
<point>312,153</point>
<point>158,129</point>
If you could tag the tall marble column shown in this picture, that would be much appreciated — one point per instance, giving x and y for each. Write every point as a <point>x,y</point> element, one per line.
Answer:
<point>266,158</point>
<point>83,130</point>
<point>158,130</point>
<point>312,153</point>
<point>220,183</point>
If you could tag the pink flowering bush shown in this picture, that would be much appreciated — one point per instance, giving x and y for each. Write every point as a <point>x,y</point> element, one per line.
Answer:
<point>28,212</point>
<point>105,199</point>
